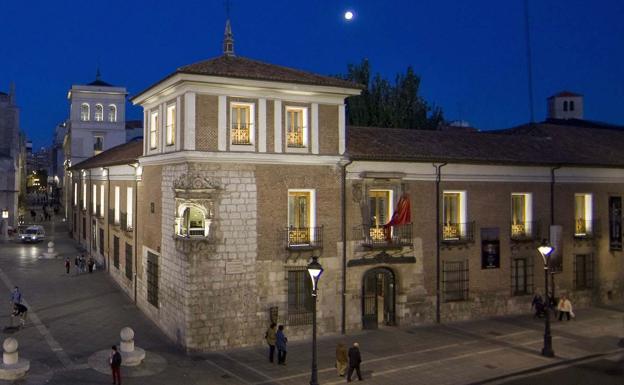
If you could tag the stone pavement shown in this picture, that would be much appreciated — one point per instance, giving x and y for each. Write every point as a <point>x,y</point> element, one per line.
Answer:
<point>73,317</point>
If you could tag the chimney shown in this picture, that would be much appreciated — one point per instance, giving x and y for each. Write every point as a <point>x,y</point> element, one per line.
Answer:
<point>565,105</point>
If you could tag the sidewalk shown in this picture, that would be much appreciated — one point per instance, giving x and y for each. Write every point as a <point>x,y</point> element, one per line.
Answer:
<point>72,317</point>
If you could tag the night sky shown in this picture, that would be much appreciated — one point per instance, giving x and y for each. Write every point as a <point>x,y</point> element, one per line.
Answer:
<point>471,55</point>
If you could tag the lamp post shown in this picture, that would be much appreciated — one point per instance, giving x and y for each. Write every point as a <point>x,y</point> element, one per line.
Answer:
<point>545,250</point>
<point>315,270</point>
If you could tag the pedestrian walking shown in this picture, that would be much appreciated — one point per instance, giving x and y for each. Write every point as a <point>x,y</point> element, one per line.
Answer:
<point>271,337</point>
<point>355,359</point>
<point>280,343</point>
<point>565,308</point>
<point>538,305</point>
<point>115,364</point>
<point>90,264</point>
<point>82,262</point>
<point>341,359</point>
<point>16,296</point>
<point>77,264</point>
<point>67,265</point>
<point>20,311</point>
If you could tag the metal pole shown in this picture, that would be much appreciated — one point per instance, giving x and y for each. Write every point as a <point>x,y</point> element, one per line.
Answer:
<point>437,230</point>
<point>547,351</point>
<point>314,377</point>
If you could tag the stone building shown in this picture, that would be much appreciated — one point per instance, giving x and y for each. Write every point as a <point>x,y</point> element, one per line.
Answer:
<point>9,155</point>
<point>247,171</point>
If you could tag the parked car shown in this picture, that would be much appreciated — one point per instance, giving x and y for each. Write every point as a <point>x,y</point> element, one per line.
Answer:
<point>34,233</point>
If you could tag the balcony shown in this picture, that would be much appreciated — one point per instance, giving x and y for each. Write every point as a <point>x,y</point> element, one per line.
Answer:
<point>586,228</point>
<point>241,134</point>
<point>456,233</point>
<point>524,231</point>
<point>303,238</point>
<point>124,222</point>
<point>295,138</point>
<point>380,237</point>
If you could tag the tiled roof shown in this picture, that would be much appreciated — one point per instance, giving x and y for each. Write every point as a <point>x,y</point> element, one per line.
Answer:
<point>123,154</point>
<point>545,143</point>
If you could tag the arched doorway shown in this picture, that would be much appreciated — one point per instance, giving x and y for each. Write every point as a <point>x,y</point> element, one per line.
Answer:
<point>378,298</point>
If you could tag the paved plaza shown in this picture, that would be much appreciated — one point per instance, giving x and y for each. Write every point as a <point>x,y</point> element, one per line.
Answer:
<point>73,318</point>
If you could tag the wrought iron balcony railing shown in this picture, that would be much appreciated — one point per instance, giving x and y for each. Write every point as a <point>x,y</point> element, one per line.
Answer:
<point>241,133</point>
<point>457,232</point>
<point>586,228</point>
<point>524,231</point>
<point>295,138</point>
<point>304,238</point>
<point>380,237</point>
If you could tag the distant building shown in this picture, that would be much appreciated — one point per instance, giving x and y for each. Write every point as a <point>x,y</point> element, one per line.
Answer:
<point>565,105</point>
<point>9,154</point>
<point>57,158</point>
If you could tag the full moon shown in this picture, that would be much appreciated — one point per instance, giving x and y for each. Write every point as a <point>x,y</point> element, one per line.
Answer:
<point>348,15</point>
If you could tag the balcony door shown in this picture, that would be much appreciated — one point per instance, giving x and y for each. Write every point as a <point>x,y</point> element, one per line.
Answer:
<point>378,298</point>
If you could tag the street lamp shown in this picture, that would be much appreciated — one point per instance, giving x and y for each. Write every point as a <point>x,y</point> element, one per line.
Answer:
<point>545,250</point>
<point>4,225</point>
<point>5,214</point>
<point>315,270</point>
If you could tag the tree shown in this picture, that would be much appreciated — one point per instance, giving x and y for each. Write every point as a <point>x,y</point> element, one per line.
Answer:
<point>383,104</point>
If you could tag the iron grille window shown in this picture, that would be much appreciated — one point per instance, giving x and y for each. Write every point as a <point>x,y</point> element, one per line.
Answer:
<point>455,281</point>
<point>116,252</point>
<point>152,278</point>
<point>101,241</point>
<point>521,276</point>
<point>299,297</point>
<point>129,261</point>
<point>583,271</point>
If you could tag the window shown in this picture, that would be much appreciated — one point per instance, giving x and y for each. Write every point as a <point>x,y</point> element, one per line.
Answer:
<point>296,127</point>
<point>116,251</point>
<point>117,204</point>
<point>242,120</point>
<point>583,215</point>
<point>94,234</point>
<point>521,216</point>
<point>112,113</point>
<point>152,279</point>
<point>171,124</point>
<point>299,297</point>
<point>98,144</point>
<point>84,195</point>
<point>521,276</point>
<point>129,261</point>
<point>129,208</point>
<point>380,212</point>
<point>571,105</point>
<point>99,113</point>
<point>193,221</point>
<point>153,130</point>
<point>565,105</point>
<point>84,228</point>
<point>455,281</point>
<point>94,199</point>
<point>75,194</point>
<point>583,271</point>
<point>102,200</point>
<point>101,239</point>
<point>301,220</point>
<point>84,112</point>
<point>454,215</point>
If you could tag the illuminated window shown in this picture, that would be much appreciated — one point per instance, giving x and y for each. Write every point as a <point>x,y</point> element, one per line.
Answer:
<point>99,113</point>
<point>112,113</point>
<point>98,144</point>
<point>521,215</point>
<point>583,206</point>
<point>453,215</point>
<point>296,127</point>
<point>301,220</point>
<point>192,221</point>
<point>94,199</point>
<point>84,195</point>
<point>102,200</point>
<point>75,194</point>
<point>171,124</point>
<point>154,130</point>
<point>129,208</point>
<point>380,212</point>
<point>84,112</point>
<point>117,204</point>
<point>242,118</point>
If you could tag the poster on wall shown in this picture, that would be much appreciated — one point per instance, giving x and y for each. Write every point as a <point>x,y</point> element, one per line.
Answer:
<point>615,223</point>
<point>490,248</point>
<point>556,257</point>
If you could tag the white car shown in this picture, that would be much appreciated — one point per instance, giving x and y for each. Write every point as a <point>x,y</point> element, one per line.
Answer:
<point>34,233</point>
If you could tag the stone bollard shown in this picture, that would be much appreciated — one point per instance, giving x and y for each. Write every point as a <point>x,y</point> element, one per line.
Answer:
<point>50,253</point>
<point>12,366</point>
<point>130,354</point>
